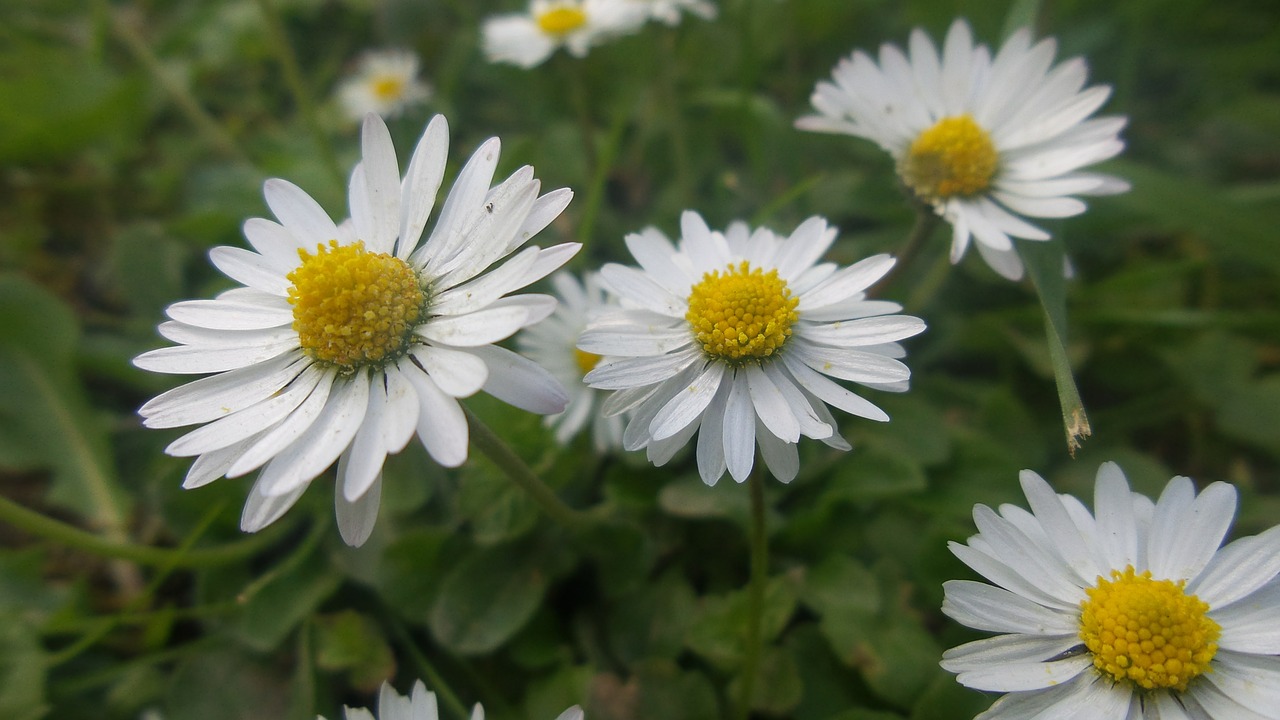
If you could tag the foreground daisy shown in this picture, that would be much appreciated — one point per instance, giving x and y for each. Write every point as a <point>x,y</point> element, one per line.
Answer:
<point>985,141</point>
<point>385,83</point>
<point>421,705</point>
<point>735,334</point>
<point>553,345</point>
<point>527,39</point>
<point>1132,612</point>
<point>347,339</point>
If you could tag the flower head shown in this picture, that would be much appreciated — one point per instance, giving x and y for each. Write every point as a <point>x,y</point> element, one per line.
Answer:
<point>528,39</point>
<point>553,345</point>
<point>985,141</point>
<point>346,340</point>
<point>1131,612</point>
<point>421,705</point>
<point>385,83</point>
<point>733,336</point>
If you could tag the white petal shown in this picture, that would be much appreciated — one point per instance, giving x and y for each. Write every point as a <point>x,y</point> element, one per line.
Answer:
<point>464,199</point>
<point>802,249</point>
<point>863,331</point>
<point>321,444</point>
<point>239,425</point>
<point>518,381</point>
<point>1187,530</point>
<point>482,291</point>
<point>771,405</point>
<point>1239,569</point>
<point>655,254</point>
<point>1117,528</point>
<point>457,373</point>
<point>214,464</point>
<point>231,314</point>
<point>194,360</point>
<point>478,328</point>
<point>356,518</point>
<point>688,404</point>
<point>849,364</point>
<point>220,395</point>
<point>402,408</point>
<point>545,209</point>
<point>442,426</point>
<point>274,242</point>
<point>739,431</point>
<point>1063,534</point>
<point>261,510</point>
<point>994,652</point>
<point>634,339</point>
<point>302,216</point>
<point>361,463</point>
<point>251,269</point>
<point>1020,676</point>
<point>636,372</point>
<point>711,462</point>
<point>421,183</point>
<point>1251,624</point>
<point>382,184</point>
<point>288,431</point>
<point>643,290</point>
<point>846,283</point>
<point>1250,680</point>
<point>1007,577</point>
<point>831,392</point>
<point>706,249</point>
<point>781,457</point>
<point>986,607</point>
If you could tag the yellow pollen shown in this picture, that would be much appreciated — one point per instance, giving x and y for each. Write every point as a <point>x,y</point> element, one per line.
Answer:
<point>954,157</point>
<point>586,361</point>
<point>352,307</point>
<point>388,87</point>
<point>1148,632</point>
<point>741,313</point>
<point>562,20</point>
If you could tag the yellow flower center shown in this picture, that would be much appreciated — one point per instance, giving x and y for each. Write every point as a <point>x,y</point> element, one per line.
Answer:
<point>562,20</point>
<point>954,157</point>
<point>388,87</point>
<point>741,313</point>
<point>586,361</point>
<point>353,307</point>
<point>1148,632</point>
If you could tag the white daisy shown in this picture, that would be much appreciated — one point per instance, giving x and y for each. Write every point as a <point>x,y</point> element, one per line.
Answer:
<point>421,705</point>
<point>984,140</point>
<point>346,339</point>
<point>1130,613</point>
<point>669,11</point>
<point>527,39</point>
<point>553,345</point>
<point>735,334</point>
<point>385,83</point>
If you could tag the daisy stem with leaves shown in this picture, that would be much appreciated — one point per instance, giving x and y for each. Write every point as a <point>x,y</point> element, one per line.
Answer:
<point>755,593</point>
<point>501,454</point>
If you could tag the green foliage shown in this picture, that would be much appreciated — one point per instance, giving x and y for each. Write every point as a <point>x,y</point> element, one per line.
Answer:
<point>135,136</point>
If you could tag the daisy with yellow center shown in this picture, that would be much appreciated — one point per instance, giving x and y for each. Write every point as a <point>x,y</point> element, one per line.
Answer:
<point>984,140</point>
<point>348,339</point>
<point>552,343</point>
<point>528,39</point>
<point>385,82</point>
<point>421,705</point>
<point>669,12</point>
<point>736,337</point>
<point>1133,612</point>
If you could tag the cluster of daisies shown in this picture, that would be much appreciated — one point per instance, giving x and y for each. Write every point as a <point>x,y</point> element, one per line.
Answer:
<point>347,338</point>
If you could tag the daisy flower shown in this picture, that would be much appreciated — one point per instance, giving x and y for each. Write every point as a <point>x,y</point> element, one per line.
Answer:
<point>733,336</point>
<point>385,83</point>
<point>1130,613</point>
<point>421,705</point>
<point>527,39</point>
<point>553,345</point>
<point>347,339</point>
<point>986,141</point>
<point>668,11</point>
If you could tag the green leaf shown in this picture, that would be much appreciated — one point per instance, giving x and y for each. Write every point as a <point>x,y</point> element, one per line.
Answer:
<point>842,586</point>
<point>350,642</point>
<point>284,602</point>
<point>497,509</point>
<point>778,687</point>
<point>45,419</point>
<point>872,473</point>
<point>227,683</point>
<point>22,670</point>
<point>691,498</point>
<point>718,632</point>
<point>488,597</point>
<point>653,622</point>
<point>623,553</point>
<point>1044,261</point>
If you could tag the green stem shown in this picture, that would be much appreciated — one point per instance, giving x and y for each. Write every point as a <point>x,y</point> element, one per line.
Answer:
<point>434,679</point>
<point>578,95</point>
<point>675,112</point>
<point>599,177</point>
<point>178,92</point>
<point>501,454</point>
<point>297,86</point>
<point>926,221</point>
<point>70,536</point>
<point>755,593</point>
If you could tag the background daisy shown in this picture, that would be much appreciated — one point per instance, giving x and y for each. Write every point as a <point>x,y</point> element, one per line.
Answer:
<point>985,141</point>
<point>734,335</point>
<point>1130,612</point>
<point>527,39</point>
<point>346,340</point>
<point>421,705</point>
<point>385,82</point>
<point>670,11</point>
<point>553,345</point>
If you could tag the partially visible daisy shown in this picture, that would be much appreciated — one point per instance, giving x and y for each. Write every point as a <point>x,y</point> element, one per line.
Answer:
<point>1132,612</point>
<point>986,141</point>
<point>669,11</point>
<point>735,336</point>
<point>527,39</point>
<point>421,705</point>
<point>348,339</point>
<point>385,83</point>
<point>553,345</point>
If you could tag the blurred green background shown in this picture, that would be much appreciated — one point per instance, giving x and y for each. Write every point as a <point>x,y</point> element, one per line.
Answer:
<point>134,136</point>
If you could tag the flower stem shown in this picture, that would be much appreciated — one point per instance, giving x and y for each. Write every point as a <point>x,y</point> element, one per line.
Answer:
<point>755,593</point>
<point>33,522</point>
<point>298,87</point>
<point>926,221</point>
<point>178,92</point>
<point>599,178</point>
<point>433,677</point>
<point>501,454</point>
